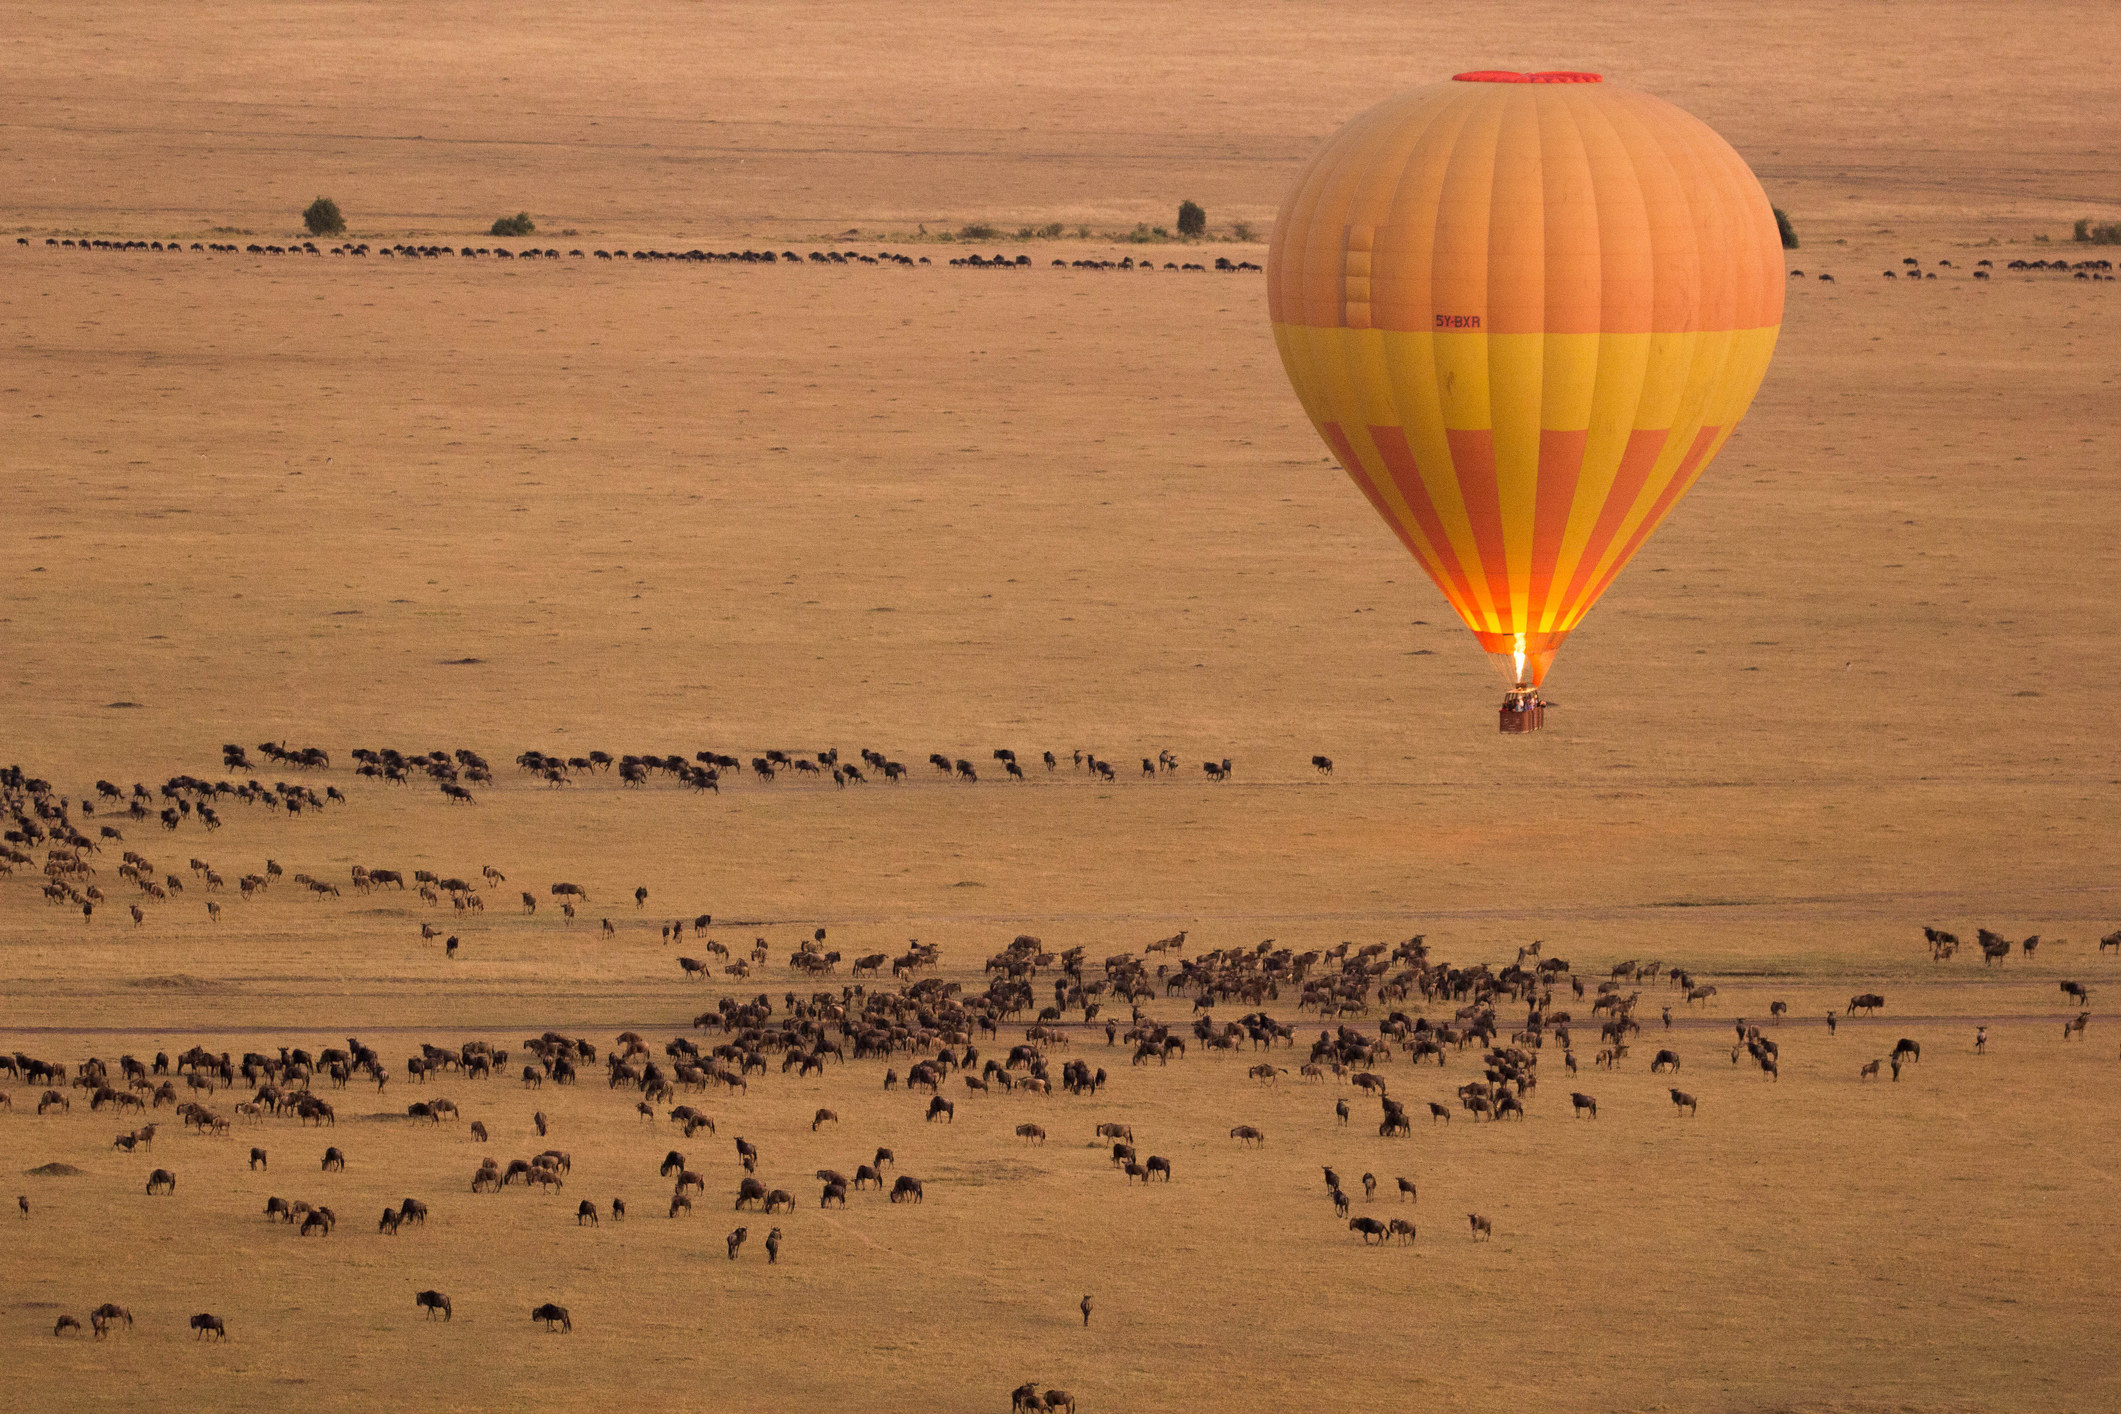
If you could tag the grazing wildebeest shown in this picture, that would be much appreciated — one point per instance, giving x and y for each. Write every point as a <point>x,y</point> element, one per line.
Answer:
<point>1023,1397</point>
<point>478,1130</point>
<point>1059,1399</point>
<point>334,1159</point>
<point>1245,1134</point>
<point>206,1323</point>
<point>737,1239</point>
<point>1681,1100</point>
<point>162,1180</point>
<point>433,1301</point>
<point>1665,1059</point>
<point>257,1158</point>
<point>1369,1228</point>
<point>1907,1050</point>
<point>750,1191</point>
<point>884,1156</point>
<point>1583,1102</point>
<point>1157,1164</point>
<point>1481,1227</point>
<point>679,1203</point>
<point>554,1316</point>
<point>943,1107</point>
<point>586,1212</point>
<point>823,1117</point>
<point>906,1189</point>
<point>65,1324</point>
<point>389,1222</point>
<point>105,1318</point>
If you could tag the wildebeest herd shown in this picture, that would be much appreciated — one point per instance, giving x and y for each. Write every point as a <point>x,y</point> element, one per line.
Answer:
<point>430,251</point>
<point>1045,1030</point>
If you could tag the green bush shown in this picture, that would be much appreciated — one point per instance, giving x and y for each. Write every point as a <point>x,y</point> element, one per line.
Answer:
<point>977,231</point>
<point>1192,221</point>
<point>1051,231</point>
<point>2093,233</point>
<point>1242,231</point>
<point>1785,229</point>
<point>519,224</point>
<point>323,218</point>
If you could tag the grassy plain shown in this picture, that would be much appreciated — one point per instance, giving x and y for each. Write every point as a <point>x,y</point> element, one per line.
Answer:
<point>1856,685</point>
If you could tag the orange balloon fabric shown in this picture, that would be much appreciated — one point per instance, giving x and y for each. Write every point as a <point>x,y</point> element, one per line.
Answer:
<point>1524,311</point>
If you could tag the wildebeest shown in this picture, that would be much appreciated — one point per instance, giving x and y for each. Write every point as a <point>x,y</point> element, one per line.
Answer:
<point>65,1324</point>
<point>1401,1229</point>
<point>1369,1228</point>
<point>257,1158</point>
<point>334,1159</point>
<point>554,1316</point>
<point>586,1212</point>
<point>1681,1100</point>
<point>1665,1059</point>
<point>1245,1134</point>
<point>736,1240</point>
<point>433,1301</point>
<point>206,1323</point>
<point>1481,1227</point>
<point>1583,1102</point>
<point>907,1189</point>
<point>161,1181</point>
<point>1035,1133</point>
<point>1866,1002</point>
<point>823,1117</point>
<point>1907,1050</point>
<point>750,1191</point>
<point>1870,1070</point>
<point>943,1107</point>
<point>105,1318</point>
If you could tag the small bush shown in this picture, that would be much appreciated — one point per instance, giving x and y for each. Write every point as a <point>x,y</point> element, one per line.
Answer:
<point>1785,229</point>
<point>323,218</point>
<point>1192,221</point>
<point>2092,233</point>
<point>519,224</point>
<point>1051,231</point>
<point>1242,231</point>
<point>977,231</point>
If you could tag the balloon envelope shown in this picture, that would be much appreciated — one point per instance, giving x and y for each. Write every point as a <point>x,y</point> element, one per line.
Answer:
<point>1524,311</point>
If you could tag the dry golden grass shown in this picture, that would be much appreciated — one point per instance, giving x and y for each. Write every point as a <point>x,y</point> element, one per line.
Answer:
<point>1857,685</point>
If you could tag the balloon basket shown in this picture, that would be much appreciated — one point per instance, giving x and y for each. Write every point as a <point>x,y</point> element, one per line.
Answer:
<point>1522,712</point>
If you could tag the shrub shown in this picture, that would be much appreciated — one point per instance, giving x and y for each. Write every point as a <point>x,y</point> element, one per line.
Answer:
<point>2093,233</point>
<point>1785,229</point>
<point>977,231</point>
<point>519,224</point>
<point>1242,230</point>
<point>1051,231</point>
<point>323,218</point>
<point>1192,221</point>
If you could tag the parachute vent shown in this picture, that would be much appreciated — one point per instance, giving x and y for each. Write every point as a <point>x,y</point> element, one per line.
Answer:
<point>1545,76</point>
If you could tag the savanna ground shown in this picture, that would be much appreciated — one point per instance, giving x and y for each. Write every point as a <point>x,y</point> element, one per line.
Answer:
<point>1858,684</point>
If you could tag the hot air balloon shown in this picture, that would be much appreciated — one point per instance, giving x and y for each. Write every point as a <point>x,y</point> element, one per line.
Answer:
<point>1524,311</point>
